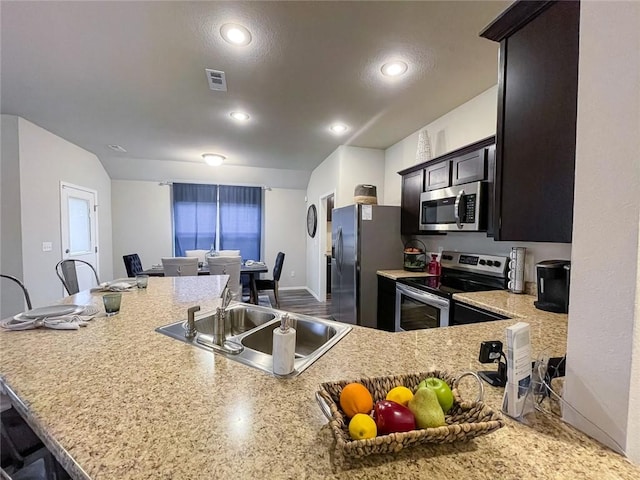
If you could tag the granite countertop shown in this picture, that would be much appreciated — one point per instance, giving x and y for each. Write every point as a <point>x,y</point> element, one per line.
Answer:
<point>116,400</point>
<point>396,274</point>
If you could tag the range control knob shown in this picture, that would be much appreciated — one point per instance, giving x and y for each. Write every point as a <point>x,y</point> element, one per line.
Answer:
<point>496,263</point>
<point>482,262</point>
<point>490,263</point>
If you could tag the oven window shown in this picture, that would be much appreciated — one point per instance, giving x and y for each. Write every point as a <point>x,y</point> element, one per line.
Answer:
<point>415,315</point>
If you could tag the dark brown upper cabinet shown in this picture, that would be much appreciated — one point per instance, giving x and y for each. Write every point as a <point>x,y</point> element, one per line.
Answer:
<point>469,168</point>
<point>412,187</point>
<point>536,131</point>
<point>437,176</point>
<point>465,162</point>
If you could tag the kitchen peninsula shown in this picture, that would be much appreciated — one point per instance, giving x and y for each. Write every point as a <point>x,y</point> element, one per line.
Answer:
<point>117,400</point>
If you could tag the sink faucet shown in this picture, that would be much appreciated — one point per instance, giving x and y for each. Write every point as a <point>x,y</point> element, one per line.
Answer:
<point>227,296</point>
<point>219,319</point>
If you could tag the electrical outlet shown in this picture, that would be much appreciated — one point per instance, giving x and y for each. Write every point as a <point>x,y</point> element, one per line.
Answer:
<point>293,273</point>
<point>47,246</point>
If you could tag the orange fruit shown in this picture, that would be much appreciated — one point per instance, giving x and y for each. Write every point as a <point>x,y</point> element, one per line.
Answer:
<point>355,398</point>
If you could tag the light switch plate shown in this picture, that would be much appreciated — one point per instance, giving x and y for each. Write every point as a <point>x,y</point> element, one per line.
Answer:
<point>47,246</point>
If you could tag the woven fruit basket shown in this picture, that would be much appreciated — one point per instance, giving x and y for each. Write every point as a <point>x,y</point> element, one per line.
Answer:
<point>465,420</point>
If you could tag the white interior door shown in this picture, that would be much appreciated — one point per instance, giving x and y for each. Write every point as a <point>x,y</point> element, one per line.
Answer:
<point>79,229</point>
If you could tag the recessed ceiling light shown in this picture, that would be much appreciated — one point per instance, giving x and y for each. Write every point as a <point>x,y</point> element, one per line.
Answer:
<point>235,34</point>
<point>394,69</point>
<point>213,159</point>
<point>338,128</point>
<point>240,116</point>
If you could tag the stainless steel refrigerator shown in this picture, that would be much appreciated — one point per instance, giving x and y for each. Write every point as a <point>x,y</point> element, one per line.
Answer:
<point>365,239</point>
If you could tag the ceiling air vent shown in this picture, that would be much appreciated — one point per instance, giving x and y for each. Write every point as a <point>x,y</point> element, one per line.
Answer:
<point>217,80</point>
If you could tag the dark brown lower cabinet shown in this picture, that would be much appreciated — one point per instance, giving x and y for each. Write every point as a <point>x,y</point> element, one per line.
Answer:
<point>386,303</point>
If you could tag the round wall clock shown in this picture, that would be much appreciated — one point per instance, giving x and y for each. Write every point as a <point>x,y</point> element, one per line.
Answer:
<point>312,220</point>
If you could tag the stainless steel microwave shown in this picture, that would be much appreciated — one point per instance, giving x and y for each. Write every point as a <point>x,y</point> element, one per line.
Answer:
<point>461,208</point>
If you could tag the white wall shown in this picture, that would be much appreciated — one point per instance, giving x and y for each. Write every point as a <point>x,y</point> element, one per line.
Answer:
<point>339,173</point>
<point>142,225</point>
<point>141,222</point>
<point>284,225</point>
<point>150,170</point>
<point>603,351</point>
<point>12,299</point>
<point>480,243</point>
<point>45,160</point>
<point>359,166</point>
<point>468,123</point>
<point>323,181</point>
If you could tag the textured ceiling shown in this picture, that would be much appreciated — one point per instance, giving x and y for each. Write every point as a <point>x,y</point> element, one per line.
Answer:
<point>133,74</point>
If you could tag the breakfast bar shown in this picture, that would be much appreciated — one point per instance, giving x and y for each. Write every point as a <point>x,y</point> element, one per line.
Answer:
<point>117,400</point>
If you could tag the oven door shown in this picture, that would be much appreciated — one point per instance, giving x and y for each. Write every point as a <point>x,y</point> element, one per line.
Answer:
<point>416,309</point>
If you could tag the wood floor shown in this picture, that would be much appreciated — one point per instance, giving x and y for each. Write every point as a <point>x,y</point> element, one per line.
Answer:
<point>301,301</point>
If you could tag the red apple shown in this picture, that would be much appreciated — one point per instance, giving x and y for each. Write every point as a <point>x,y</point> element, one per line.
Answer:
<point>392,417</point>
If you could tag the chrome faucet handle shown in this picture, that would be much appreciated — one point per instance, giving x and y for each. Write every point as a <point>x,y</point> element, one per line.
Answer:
<point>190,331</point>
<point>227,296</point>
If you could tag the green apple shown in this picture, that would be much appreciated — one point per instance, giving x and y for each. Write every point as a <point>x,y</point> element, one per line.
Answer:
<point>443,392</point>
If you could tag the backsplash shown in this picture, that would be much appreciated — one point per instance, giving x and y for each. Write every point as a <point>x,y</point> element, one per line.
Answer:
<point>479,243</point>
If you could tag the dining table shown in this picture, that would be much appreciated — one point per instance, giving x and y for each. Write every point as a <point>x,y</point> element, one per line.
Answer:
<point>250,270</point>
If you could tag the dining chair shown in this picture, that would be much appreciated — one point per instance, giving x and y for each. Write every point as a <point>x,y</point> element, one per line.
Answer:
<point>201,254</point>
<point>228,253</point>
<point>133,264</point>
<point>22,451</point>
<point>180,266</point>
<point>272,284</point>
<point>228,266</point>
<point>27,299</point>
<point>68,275</point>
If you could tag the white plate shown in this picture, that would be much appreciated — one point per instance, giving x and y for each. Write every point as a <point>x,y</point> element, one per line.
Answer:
<point>50,311</point>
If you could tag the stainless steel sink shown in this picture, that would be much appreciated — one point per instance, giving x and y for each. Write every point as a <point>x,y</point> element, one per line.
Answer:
<point>249,333</point>
<point>310,335</point>
<point>239,319</point>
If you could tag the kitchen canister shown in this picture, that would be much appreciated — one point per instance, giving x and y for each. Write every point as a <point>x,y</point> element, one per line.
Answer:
<point>365,194</point>
<point>516,269</point>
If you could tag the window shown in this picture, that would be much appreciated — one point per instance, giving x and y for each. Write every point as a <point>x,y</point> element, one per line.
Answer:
<point>225,217</point>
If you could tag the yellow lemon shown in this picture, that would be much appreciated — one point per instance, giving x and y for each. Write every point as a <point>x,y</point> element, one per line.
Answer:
<point>362,426</point>
<point>400,395</point>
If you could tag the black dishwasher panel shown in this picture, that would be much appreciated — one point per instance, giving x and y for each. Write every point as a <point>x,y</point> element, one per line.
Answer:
<point>464,314</point>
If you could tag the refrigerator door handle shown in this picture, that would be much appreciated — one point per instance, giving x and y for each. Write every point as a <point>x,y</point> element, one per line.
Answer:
<point>339,248</point>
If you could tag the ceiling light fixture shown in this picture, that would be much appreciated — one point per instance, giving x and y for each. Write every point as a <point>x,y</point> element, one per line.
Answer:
<point>235,34</point>
<point>240,116</point>
<point>117,148</point>
<point>338,128</point>
<point>213,159</point>
<point>394,69</point>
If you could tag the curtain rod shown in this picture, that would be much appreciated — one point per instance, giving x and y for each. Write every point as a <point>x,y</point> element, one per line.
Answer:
<point>264,187</point>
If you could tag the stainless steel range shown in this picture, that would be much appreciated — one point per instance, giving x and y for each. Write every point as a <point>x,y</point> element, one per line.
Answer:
<point>426,302</point>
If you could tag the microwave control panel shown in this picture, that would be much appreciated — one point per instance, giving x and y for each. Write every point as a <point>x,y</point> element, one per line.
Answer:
<point>470,208</point>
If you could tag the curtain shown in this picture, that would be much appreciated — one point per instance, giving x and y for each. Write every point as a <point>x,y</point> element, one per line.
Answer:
<point>241,220</point>
<point>194,216</point>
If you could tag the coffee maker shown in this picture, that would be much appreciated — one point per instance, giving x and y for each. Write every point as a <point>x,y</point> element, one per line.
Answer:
<point>553,285</point>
